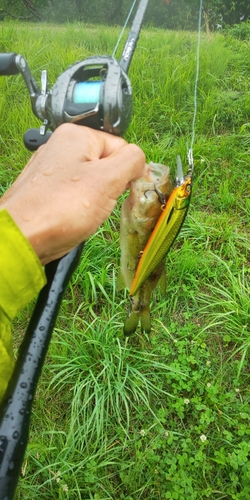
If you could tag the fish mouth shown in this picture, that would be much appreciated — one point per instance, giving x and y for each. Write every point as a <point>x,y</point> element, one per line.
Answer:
<point>157,177</point>
<point>158,172</point>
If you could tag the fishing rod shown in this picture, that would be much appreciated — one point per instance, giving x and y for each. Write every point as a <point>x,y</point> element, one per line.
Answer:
<point>97,93</point>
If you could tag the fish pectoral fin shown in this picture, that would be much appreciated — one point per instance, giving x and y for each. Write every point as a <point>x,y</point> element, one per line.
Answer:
<point>136,262</point>
<point>120,282</point>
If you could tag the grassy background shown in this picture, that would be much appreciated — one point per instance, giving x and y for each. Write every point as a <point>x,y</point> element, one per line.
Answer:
<point>165,416</point>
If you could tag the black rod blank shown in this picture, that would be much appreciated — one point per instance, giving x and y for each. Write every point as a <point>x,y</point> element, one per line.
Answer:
<point>15,409</point>
<point>133,36</point>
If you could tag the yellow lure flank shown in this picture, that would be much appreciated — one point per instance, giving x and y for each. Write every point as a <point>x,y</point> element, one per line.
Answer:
<point>164,234</point>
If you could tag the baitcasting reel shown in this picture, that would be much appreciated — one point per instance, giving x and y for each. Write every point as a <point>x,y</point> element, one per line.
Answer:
<point>95,92</point>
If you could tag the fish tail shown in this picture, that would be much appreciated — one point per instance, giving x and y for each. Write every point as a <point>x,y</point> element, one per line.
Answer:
<point>131,323</point>
<point>132,320</point>
<point>145,321</point>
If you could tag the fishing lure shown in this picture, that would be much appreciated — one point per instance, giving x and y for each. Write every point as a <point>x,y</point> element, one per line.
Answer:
<point>166,230</point>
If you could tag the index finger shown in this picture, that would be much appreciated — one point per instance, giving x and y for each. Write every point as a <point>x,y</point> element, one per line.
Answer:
<point>91,144</point>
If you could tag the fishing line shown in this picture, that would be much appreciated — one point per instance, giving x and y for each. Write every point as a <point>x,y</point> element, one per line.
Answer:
<point>124,27</point>
<point>190,150</point>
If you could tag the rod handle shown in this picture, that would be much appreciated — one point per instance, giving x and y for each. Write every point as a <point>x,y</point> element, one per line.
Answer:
<point>8,64</point>
<point>8,484</point>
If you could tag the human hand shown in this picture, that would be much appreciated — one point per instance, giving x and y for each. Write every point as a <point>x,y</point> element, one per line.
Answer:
<point>70,186</point>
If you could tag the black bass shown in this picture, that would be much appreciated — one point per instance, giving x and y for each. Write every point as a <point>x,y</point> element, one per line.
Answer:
<point>139,214</point>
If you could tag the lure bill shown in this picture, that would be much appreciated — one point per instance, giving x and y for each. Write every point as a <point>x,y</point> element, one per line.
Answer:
<point>165,232</point>
<point>139,214</point>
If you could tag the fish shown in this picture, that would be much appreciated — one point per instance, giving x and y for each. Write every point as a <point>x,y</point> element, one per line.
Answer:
<point>139,214</point>
<point>165,231</point>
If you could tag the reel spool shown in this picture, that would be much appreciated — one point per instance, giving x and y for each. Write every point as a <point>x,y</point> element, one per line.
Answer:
<point>95,92</point>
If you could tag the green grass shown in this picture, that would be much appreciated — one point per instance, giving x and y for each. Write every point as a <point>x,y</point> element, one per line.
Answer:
<point>165,416</point>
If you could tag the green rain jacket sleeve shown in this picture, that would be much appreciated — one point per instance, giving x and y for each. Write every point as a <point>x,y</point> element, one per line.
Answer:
<point>22,277</point>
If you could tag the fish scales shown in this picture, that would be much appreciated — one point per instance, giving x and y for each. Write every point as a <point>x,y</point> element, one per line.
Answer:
<point>139,214</point>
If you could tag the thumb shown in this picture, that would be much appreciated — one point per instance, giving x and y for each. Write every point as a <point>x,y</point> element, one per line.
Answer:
<point>123,166</point>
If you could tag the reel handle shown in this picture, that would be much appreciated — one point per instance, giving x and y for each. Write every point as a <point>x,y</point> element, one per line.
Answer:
<point>33,139</point>
<point>8,64</point>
